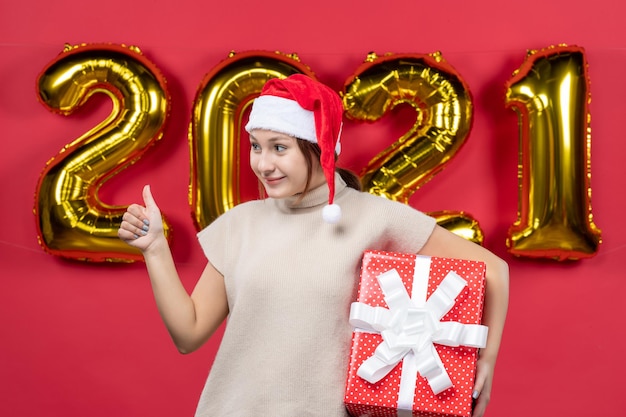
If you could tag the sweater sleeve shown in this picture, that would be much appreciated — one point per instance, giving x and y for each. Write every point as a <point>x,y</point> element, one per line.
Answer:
<point>406,229</point>
<point>410,228</point>
<point>218,240</point>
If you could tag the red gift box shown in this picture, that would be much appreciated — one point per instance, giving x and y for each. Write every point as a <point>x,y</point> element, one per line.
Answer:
<point>417,332</point>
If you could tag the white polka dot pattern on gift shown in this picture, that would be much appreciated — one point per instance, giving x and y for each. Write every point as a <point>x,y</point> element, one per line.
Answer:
<point>380,399</point>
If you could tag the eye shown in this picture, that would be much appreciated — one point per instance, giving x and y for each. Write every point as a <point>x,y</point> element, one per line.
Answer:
<point>255,147</point>
<point>280,148</point>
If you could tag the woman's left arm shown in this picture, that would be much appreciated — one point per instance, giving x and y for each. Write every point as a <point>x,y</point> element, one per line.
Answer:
<point>443,243</point>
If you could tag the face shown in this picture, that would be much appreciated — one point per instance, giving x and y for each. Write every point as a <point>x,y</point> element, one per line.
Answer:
<point>279,164</point>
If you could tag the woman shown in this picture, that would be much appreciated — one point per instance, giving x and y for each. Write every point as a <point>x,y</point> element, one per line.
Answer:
<point>285,269</point>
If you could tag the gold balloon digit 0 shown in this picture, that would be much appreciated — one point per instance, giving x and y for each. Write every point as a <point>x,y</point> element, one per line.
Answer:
<point>550,94</point>
<point>443,105</point>
<point>215,130</point>
<point>71,220</point>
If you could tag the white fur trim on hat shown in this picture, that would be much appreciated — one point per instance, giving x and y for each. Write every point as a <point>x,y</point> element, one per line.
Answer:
<point>283,115</point>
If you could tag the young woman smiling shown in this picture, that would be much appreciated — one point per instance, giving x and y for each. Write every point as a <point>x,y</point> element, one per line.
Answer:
<point>285,269</point>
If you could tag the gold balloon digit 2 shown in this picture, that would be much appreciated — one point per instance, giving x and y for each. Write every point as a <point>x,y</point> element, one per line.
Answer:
<point>443,106</point>
<point>71,220</point>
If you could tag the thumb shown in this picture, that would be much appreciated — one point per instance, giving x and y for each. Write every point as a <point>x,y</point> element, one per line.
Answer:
<point>478,386</point>
<point>148,200</point>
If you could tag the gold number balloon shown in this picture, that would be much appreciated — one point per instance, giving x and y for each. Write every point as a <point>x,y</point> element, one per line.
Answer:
<point>71,220</point>
<point>215,131</point>
<point>550,93</point>
<point>460,223</point>
<point>443,105</point>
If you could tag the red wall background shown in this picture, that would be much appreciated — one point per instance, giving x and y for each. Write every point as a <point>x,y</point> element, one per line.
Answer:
<point>83,339</point>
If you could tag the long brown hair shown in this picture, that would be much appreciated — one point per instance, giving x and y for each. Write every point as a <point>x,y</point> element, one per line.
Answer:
<point>311,152</point>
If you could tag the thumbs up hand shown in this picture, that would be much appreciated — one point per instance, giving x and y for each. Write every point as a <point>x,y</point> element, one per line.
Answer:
<point>142,225</point>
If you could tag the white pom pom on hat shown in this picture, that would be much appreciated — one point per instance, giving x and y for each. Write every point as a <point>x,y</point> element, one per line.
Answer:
<point>331,213</point>
<point>302,107</point>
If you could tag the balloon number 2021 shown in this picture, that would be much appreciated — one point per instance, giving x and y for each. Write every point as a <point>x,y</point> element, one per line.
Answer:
<point>549,92</point>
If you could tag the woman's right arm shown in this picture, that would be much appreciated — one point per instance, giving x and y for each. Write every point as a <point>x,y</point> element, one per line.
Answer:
<point>190,319</point>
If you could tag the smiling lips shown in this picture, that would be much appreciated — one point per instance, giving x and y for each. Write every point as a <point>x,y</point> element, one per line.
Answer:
<point>272,181</point>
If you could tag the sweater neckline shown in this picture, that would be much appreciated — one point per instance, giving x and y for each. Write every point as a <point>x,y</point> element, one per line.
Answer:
<point>315,197</point>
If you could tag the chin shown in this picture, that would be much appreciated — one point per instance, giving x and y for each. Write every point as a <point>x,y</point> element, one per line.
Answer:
<point>274,194</point>
<point>278,194</point>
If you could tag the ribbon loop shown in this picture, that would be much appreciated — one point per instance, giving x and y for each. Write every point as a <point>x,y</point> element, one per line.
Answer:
<point>396,296</point>
<point>443,298</point>
<point>390,354</point>
<point>366,317</point>
<point>373,369</point>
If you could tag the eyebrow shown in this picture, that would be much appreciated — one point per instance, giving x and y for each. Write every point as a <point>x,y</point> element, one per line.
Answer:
<point>274,138</point>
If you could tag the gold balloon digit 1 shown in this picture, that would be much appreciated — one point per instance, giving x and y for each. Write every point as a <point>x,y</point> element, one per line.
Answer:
<point>71,220</point>
<point>550,93</point>
<point>215,130</point>
<point>443,105</point>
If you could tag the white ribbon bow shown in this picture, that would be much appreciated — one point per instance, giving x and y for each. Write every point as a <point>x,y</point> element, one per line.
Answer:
<point>409,329</point>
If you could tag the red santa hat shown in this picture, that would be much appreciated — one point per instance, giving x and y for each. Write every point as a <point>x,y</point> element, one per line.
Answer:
<point>306,109</point>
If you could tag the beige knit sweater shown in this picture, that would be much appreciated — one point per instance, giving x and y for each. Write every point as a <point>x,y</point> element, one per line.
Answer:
<point>290,280</point>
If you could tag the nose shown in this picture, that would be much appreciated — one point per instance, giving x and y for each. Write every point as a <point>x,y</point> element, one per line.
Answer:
<point>265,162</point>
